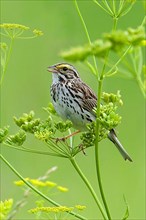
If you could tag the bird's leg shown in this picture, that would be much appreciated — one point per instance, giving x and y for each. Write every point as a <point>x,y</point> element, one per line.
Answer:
<point>68,136</point>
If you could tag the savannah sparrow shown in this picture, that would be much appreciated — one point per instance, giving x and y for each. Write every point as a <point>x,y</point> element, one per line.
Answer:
<point>74,100</point>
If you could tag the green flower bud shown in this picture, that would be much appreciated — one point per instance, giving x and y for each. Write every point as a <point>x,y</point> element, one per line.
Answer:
<point>44,135</point>
<point>3,134</point>
<point>77,53</point>
<point>136,36</point>
<point>17,139</point>
<point>27,122</point>
<point>13,26</point>
<point>37,32</point>
<point>63,126</point>
<point>50,109</point>
<point>112,98</point>
<point>99,48</point>
<point>5,208</point>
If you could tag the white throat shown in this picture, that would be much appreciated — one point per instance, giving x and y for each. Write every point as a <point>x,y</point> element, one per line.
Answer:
<point>55,78</point>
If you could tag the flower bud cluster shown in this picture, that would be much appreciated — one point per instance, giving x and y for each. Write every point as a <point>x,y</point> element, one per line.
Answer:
<point>16,30</point>
<point>88,138</point>
<point>37,32</point>
<point>3,134</point>
<point>115,40</point>
<point>45,130</point>
<point>42,130</point>
<point>17,140</point>
<point>108,119</point>
<point>13,26</point>
<point>5,208</point>
<point>45,184</point>
<point>63,126</point>
<point>121,38</point>
<point>110,97</point>
<point>55,210</point>
<point>27,122</point>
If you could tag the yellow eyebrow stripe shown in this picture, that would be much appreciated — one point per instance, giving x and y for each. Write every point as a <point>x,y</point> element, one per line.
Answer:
<point>63,65</point>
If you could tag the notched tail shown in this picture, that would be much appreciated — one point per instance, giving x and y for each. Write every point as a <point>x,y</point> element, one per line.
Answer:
<point>113,137</point>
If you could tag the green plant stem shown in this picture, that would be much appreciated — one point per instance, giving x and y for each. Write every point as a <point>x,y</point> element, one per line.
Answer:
<point>36,190</point>
<point>29,150</point>
<point>74,163</point>
<point>137,72</point>
<point>100,83</point>
<point>7,61</point>
<point>96,2</point>
<point>121,6</point>
<point>121,58</point>
<point>115,21</point>
<point>87,34</point>
<point>141,86</point>
<point>107,5</point>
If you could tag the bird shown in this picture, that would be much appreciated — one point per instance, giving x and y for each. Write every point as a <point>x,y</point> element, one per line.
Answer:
<point>74,100</point>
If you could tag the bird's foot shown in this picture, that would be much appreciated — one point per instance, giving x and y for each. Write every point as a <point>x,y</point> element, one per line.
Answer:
<point>66,137</point>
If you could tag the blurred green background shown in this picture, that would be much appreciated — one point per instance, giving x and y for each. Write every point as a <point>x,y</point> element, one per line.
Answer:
<point>26,87</point>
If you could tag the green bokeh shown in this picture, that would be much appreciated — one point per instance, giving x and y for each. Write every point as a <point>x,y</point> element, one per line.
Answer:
<point>26,87</point>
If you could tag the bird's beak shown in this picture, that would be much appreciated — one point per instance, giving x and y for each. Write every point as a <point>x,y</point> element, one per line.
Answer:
<point>52,69</point>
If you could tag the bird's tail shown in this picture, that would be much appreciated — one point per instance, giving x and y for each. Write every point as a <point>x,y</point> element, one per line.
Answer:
<point>113,137</point>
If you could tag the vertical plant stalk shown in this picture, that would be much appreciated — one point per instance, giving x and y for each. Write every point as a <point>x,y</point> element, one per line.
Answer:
<point>141,86</point>
<point>100,80</point>
<point>100,83</point>
<point>74,163</point>
<point>115,21</point>
<point>87,34</point>
<point>36,190</point>
<point>7,60</point>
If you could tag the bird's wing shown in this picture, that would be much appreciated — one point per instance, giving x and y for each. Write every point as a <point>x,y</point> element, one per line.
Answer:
<point>88,99</point>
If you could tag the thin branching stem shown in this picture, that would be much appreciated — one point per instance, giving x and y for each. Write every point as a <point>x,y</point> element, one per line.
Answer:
<point>55,147</point>
<point>79,171</point>
<point>87,34</point>
<point>29,150</point>
<point>100,83</point>
<point>121,5</point>
<point>7,61</point>
<point>120,59</point>
<point>114,7</point>
<point>108,7</point>
<point>37,191</point>
<point>96,2</point>
<point>136,74</point>
<point>115,21</point>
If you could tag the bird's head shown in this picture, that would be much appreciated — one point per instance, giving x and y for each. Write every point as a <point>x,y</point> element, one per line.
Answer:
<point>63,72</point>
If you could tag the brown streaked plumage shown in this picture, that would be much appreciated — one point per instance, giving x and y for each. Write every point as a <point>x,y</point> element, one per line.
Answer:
<point>74,100</point>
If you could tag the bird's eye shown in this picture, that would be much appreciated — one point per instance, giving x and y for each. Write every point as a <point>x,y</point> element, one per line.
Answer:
<point>64,68</point>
